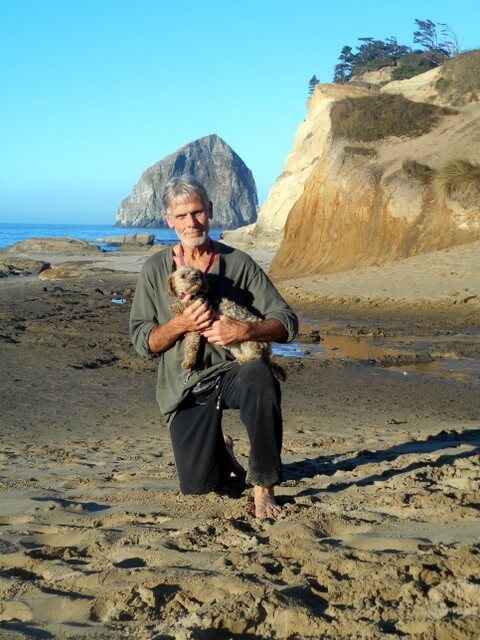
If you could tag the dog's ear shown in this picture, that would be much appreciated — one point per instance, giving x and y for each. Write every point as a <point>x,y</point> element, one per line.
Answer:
<point>171,285</point>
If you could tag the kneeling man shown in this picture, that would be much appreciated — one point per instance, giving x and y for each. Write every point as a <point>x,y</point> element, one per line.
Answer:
<point>191,402</point>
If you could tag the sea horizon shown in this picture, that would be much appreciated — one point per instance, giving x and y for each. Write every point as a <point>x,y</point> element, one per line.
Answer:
<point>12,232</point>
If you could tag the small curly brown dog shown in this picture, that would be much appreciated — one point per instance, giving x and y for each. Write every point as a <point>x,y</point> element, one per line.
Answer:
<point>188,280</point>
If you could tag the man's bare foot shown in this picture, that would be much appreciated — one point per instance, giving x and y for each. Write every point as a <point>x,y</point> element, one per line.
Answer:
<point>237,470</point>
<point>264,502</point>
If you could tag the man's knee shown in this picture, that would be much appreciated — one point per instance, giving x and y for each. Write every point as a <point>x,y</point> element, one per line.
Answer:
<point>257,377</point>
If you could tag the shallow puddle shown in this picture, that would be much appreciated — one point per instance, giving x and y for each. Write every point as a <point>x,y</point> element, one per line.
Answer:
<point>463,369</point>
<point>435,355</point>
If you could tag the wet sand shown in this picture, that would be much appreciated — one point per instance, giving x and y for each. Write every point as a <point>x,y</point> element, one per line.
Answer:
<point>380,525</point>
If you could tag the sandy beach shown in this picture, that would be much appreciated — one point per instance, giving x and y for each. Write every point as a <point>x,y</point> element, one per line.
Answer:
<point>380,528</point>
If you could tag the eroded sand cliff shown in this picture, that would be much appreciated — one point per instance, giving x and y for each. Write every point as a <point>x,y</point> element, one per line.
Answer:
<point>310,141</point>
<point>358,210</point>
<point>341,203</point>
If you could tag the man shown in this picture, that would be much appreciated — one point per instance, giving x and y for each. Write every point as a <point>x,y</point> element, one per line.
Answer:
<point>191,402</point>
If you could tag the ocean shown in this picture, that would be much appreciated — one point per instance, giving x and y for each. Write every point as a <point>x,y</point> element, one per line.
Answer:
<point>11,233</point>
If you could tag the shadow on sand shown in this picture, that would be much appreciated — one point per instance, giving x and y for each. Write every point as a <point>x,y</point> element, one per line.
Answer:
<point>327,465</point>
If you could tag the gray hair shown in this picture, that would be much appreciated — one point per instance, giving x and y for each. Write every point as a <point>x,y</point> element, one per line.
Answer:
<point>184,188</point>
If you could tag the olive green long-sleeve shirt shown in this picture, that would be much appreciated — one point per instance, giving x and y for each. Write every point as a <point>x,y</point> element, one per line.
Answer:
<point>236,277</point>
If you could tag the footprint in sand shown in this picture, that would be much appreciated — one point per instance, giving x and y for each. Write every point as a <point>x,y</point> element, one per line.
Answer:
<point>128,517</point>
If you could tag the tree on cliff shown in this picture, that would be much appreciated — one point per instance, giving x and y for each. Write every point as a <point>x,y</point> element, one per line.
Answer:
<point>311,84</point>
<point>438,40</point>
<point>371,54</point>
<point>343,70</point>
<point>427,36</point>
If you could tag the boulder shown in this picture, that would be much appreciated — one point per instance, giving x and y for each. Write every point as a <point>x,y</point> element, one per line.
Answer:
<point>61,274</point>
<point>71,270</point>
<point>53,245</point>
<point>129,247</point>
<point>139,238</point>
<point>213,162</point>
<point>135,239</point>
<point>21,267</point>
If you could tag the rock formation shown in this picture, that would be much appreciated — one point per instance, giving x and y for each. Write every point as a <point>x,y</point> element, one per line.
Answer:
<point>133,239</point>
<point>21,267</point>
<point>355,212</point>
<point>348,203</point>
<point>310,140</point>
<point>51,245</point>
<point>213,162</point>
<point>65,271</point>
<point>365,204</point>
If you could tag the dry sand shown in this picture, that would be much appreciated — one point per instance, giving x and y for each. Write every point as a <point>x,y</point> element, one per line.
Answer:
<point>380,525</point>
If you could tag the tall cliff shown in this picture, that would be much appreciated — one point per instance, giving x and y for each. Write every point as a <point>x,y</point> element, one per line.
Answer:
<point>365,203</point>
<point>402,178</point>
<point>213,162</point>
<point>310,139</point>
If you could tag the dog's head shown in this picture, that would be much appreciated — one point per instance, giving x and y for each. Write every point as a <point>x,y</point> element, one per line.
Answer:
<point>187,280</point>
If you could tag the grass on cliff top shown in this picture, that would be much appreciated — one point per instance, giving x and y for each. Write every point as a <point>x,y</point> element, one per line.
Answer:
<point>459,81</point>
<point>460,181</point>
<point>378,116</point>
<point>413,64</point>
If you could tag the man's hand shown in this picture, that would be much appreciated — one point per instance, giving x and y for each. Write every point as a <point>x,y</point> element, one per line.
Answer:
<point>225,331</point>
<point>197,317</point>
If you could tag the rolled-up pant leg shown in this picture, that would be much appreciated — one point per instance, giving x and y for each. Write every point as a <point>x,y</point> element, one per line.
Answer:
<point>198,446</point>
<point>253,389</point>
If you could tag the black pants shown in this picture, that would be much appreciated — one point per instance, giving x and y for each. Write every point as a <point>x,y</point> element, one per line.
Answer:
<point>203,463</point>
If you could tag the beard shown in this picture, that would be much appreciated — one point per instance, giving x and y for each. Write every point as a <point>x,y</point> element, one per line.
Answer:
<point>194,241</point>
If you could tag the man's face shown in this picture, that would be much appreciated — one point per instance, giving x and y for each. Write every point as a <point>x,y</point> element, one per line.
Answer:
<point>190,221</point>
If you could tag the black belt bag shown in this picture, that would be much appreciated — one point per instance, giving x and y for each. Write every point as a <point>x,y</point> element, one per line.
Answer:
<point>203,390</point>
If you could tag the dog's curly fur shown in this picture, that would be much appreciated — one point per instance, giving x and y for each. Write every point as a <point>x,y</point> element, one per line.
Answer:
<point>188,280</point>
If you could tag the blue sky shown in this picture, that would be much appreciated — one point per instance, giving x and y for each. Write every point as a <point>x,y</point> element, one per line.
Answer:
<point>95,91</point>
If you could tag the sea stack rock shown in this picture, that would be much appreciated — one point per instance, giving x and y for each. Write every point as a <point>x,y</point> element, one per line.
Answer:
<point>213,162</point>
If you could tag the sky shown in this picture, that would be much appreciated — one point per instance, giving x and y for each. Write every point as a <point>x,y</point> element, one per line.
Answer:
<point>93,92</point>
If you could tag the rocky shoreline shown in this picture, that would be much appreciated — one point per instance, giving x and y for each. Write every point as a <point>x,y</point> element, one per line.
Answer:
<point>380,527</point>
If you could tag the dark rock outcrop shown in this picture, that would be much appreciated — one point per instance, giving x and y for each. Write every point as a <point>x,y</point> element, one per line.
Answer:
<point>21,267</point>
<point>213,162</point>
